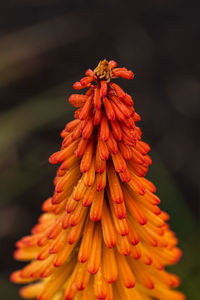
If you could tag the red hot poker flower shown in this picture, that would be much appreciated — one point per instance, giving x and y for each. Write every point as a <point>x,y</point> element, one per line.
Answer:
<point>101,235</point>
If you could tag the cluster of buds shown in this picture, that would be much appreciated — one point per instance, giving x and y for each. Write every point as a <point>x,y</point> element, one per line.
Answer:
<point>101,234</point>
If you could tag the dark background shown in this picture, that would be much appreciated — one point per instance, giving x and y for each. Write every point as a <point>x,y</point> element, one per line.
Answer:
<point>47,45</point>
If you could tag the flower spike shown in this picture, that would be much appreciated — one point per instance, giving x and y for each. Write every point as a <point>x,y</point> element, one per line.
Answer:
<point>101,234</point>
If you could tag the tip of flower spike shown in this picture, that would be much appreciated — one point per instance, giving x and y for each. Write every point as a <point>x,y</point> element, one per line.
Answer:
<point>103,70</point>
<point>107,70</point>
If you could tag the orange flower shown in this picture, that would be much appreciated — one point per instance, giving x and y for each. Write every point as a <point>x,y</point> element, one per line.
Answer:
<point>102,234</point>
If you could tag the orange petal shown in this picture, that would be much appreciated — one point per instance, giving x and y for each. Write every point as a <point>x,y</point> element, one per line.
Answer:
<point>54,284</point>
<point>63,255</point>
<point>78,86</point>
<point>120,93</point>
<point>112,64</point>
<point>94,261</point>
<point>110,269</point>
<point>104,128</point>
<point>63,154</point>
<point>100,285</point>
<point>76,133</point>
<point>100,164</point>
<point>97,207</point>
<point>85,110</point>
<point>125,150</point>
<point>81,148</point>
<point>77,100</point>
<point>127,99</point>
<point>114,185</point>
<point>119,209</point>
<point>133,237</point>
<point>97,117</point>
<point>118,113</point>
<point>124,74</point>
<point>116,130</point>
<point>137,156</point>
<point>142,147</point>
<point>103,88</point>
<point>89,176</point>
<point>86,242</point>
<point>87,157</point>
<point>31,291</point>
<point>59,242</point>
<point>119,162</point>
<point>142,275</point>
<point>138,170</point>
<point>136,185</point>
<point>134,209</point>
<point>124,109</point>
<point>71,125</point>
<point>149,186</point>
<point>100,181</point>
<point>109,235</point>
<point>89,195</point>
<point>97,99</point>
<point>71,204</point>
<point>125,273</point>
<point>102,149</point>
<point>77,214</point>
<point>88,128</point>
<point>112,145</point>
<point>75,232</point>
<point>108,108</point>
<point>79,190</point>
<point>125,176</point>
<point>82,276</point>
<point>67,181</point>
<point>123,245</point>
<point>70,162</point>
<point>85,80</point>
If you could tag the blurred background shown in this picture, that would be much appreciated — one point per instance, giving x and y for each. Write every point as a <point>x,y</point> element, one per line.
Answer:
<point>47,45</point>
